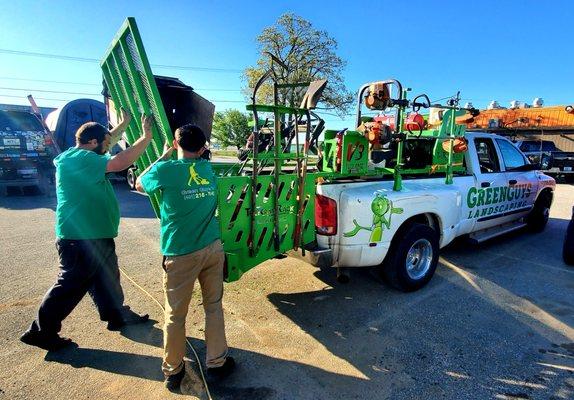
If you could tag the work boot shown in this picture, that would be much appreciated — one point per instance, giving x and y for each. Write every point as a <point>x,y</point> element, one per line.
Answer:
<point>173,382</point>
<point>224,371</point>
<point>50,343</point>
<point>117,324</point>
<point>128,317</point>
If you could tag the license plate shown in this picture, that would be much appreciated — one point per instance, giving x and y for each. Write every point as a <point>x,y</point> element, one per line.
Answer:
<point>567,168</point>
<point>11,142</point>
<point>27,171</point>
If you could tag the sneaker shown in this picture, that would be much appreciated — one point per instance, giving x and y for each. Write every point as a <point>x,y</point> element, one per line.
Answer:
<point>117,324</point>
<point>225,370</point>
<point>50,343</point>
<point>172,382</point>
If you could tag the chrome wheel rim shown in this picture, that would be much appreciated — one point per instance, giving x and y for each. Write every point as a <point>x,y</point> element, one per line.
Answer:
<point>419,259</point>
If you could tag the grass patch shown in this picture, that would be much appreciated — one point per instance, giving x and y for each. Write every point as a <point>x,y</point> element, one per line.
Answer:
<point>224,153</point>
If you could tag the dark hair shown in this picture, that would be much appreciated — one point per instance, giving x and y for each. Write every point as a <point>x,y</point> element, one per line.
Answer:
<point>190,137</point>
<point>90,131</point>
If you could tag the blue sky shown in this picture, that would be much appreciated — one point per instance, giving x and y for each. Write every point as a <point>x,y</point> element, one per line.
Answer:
<point>491,50</point>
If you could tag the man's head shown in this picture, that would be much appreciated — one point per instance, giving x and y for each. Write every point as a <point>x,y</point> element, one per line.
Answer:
<point>93,136</point>
<point>191,139</point>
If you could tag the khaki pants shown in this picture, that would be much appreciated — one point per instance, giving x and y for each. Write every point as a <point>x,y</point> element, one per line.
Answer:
<point>206,265</point>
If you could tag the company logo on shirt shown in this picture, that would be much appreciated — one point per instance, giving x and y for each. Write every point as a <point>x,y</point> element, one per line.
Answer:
<point>194,177</point>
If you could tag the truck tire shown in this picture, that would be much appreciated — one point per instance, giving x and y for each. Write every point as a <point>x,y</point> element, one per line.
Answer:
<point>538,217</point>
<point>412,257</point>
<point>131,178</point>
<point>568,247</point>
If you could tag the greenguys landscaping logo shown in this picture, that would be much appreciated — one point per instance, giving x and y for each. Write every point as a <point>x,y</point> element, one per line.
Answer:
<point>492,201</point>
<point>195,178</point>
<point>382,209</point>
<point>200,187</point>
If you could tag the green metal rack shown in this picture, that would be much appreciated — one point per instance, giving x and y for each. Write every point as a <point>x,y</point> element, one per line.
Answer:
<point>251,230</point>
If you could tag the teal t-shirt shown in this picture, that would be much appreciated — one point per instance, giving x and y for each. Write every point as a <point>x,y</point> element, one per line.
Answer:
<point>187,211</point>
<point>87,205</point>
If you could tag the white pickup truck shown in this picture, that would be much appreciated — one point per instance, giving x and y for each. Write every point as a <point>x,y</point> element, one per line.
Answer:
<point>366,223</point>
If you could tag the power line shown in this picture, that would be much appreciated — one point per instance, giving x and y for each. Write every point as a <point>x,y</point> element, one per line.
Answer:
<point>99,84</point>
<point>36,98</point>
<point>50,91</point>
<point>94,60</point>
<point>49,81</point>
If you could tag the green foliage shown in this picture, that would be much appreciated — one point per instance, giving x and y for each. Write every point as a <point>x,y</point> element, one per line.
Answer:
<point>309,54</point>
<point>230,128</point>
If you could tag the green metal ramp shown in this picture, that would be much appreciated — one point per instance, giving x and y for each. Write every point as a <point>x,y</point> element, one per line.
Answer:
<point>131,85</point>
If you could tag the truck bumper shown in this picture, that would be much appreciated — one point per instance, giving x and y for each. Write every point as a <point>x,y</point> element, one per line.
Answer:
<point>316,256</point>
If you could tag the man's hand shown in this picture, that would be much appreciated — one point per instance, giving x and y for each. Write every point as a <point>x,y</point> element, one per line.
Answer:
<point>167,151</point>
<point>125,117</point>
<point>123,123</point>
<point>125,158</point>
<point>147,121</point>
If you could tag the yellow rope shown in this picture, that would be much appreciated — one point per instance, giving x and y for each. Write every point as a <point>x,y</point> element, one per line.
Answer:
<point>188,343</point>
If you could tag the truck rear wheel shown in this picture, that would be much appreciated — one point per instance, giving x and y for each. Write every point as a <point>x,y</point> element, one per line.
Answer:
<point>412,258</point>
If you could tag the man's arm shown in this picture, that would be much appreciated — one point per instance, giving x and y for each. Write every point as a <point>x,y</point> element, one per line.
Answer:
<point>116,132</point>
<point>127,157</point>
<point>167,150</point>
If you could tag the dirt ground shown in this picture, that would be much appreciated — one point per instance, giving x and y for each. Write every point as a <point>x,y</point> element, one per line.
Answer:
<point>496,321</point>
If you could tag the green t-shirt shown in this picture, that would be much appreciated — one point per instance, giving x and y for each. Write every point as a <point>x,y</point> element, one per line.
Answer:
<point>189,201</point>
<point>87,206</point>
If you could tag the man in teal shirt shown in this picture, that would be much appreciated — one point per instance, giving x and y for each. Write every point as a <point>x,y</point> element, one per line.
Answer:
<point>190,243</point>
<point>87,220</point>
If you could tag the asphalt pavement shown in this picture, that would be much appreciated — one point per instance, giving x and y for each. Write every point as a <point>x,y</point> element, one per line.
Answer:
<point>496,321</point>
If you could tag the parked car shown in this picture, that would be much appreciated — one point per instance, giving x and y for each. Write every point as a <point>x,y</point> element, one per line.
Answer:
<point>26,152</point>
<point>548,156</point>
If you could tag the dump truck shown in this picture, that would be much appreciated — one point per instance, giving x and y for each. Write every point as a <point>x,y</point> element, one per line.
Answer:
<point>389,193</point>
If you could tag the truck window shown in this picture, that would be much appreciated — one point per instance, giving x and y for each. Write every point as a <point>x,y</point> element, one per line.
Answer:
<point>549,146</point>
<point>19,121</point>
<point>511,157</point>
<point>530,146</point>
<point>487,157</point>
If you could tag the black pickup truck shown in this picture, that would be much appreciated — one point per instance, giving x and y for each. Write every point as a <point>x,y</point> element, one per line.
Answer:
<point>544,152</point>
<point>26,152</point>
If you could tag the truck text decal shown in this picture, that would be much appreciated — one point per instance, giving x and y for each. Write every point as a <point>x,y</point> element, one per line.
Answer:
<point>511,197</point>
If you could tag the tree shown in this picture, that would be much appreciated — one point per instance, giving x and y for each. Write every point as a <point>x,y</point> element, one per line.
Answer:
<point>231,128</point>
<point>309,55</point>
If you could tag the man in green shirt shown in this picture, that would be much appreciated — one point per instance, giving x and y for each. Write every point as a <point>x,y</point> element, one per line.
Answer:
<point>87,220</point>
<point>190,243</point>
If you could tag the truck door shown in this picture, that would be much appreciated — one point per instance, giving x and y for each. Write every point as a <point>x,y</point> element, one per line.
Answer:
<point>484,200</point>
<point>522,184</point>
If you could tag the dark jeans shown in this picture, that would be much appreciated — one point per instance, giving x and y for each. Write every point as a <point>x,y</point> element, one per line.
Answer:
<point>85,266</point>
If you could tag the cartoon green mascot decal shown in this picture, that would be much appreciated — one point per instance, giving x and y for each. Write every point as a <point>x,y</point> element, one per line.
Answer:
<point>382,209</point>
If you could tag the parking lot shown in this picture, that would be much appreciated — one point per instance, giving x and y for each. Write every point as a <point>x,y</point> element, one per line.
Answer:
<point>496,321</point>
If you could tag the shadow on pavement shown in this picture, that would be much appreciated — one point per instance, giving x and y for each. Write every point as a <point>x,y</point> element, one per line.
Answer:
<point>486,325</point>
<point>146,367</point>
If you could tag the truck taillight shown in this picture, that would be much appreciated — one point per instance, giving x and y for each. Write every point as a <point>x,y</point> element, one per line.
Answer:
<point>325,215</point>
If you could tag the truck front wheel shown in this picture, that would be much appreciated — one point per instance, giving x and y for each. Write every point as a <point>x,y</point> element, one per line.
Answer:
<point>412,258</point>
<point>538,217</point>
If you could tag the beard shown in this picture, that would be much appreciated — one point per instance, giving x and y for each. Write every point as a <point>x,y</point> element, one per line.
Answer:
<point>99,149</point>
